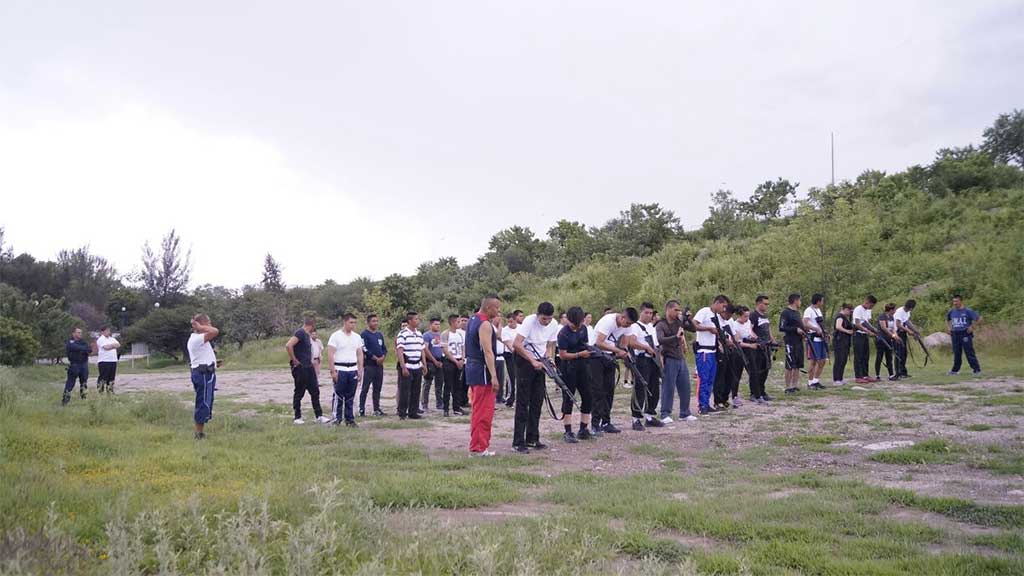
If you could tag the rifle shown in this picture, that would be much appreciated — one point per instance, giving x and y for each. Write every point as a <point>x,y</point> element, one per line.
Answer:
<point>877,332</point>
<point>911,329</point>
<point>552,372</point>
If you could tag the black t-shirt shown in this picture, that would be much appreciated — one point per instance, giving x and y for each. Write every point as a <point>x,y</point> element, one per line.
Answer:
<point>761,326</point>
<point>303,350</point>
<point>841,336</point>
<point>572,341</point>
<point>789,322</point>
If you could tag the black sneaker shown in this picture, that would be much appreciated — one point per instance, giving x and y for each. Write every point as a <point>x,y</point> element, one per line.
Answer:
<point>654,423</point>
<point>538,445</point>
<point>401,417</point>
<point>82,394</point>
<point>378,413</point>
<point>610,428</point>
<point>705,410</point>
<point>439,406</point>
<point>596,432</point>
<point>894,378</point>
<point>584,434</point>
<point>521,449</point>
<point>199,436</point>
<point>415,417</point>
<point>458,412</point>
<point>792,390</point>
<point>420,410</point>
<point>976,373</point>
<point>816,386</point>
<point>362,413</point>
<point>65,399</point>
<point>445,414</point>
<point>638,426</point>
<point>351,424</point>
<point>906,376</point>
<point>766,398</point>
<point>569,437</point>
<point>510,402</point>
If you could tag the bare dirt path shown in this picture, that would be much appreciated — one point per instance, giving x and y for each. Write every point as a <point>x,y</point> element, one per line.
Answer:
<point>835,431</point>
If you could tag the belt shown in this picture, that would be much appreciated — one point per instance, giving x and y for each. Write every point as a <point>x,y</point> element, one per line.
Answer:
<point>702,348</point>
<point>345,364</point>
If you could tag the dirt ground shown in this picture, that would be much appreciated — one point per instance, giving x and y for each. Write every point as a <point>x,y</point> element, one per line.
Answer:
<point>767,439</point>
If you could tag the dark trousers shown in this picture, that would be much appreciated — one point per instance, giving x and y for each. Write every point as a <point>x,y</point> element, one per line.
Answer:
<point>450,397</point>
<point>645,398</point>
<point>510,363</point>
<point>529,401</point>
<point>963,344</point>
<point>105,380</point>
<point>462,389</point>
<point>409,392</point>
<point>883,353</point>
<point>841,348</point>
<point>305,380</point>
<point>602,387</point>
<point>754,370</point>
<point>861,355</point>
<point>576,374</point>
<point>724,377</point>
<point>432,375</point>
<point>735,359</point>
<point>78,371</point>
<point>344,395</point>
<point>899,348</point>
<point>499,369</point>
<point>373,376</point>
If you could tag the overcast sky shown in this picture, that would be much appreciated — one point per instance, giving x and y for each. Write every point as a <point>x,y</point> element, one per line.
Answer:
<point>360,139</point>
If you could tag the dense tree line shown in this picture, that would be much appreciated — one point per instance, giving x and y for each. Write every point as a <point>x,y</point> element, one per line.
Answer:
<point>956,224</point>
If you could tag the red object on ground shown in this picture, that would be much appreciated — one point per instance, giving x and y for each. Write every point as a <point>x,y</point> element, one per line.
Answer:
<point>481,417</point>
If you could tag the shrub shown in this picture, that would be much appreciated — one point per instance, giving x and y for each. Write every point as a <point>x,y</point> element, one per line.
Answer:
<point>18,346</point>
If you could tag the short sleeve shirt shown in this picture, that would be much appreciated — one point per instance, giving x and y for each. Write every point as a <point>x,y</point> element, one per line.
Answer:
<point>902,316</point>
<point>961,320</point>
<point>861,314</point>
<point>704,317</point>
<point>572,341</point>
<point>106,355</point>
<point>346,347</point>
<point>811,315</point>
<point>743,330</point>
<point>411,343</point>
<point>303,350</point>
<point>200,352</point>
<point>609,326</point>
<point>456,343</point>
<point>535,333</point>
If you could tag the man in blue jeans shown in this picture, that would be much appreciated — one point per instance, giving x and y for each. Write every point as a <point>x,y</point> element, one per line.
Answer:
<point>707,348</point>
<point>203,362</point>
<point>960,322</point>
<point>345,358</point>
<point>670,332</point>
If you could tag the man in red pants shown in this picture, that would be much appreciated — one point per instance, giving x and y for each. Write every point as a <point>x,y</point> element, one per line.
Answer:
<point>481,374</point>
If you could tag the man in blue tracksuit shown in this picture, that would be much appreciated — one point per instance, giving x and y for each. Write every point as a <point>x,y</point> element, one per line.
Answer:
<point>704,322</point>
<point>78,365</point>
<point>961,321</point>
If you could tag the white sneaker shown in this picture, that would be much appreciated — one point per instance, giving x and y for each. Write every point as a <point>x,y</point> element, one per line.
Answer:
<point>667,420</point>
<point>323,419</point>
<point>737,402</point>
<point>690,418</point>
<point>839,383</point>
<point>488,453</point>
<point>299,421</point>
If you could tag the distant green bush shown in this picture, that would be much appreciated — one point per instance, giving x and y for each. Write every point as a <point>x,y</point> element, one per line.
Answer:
<point>18,346</point>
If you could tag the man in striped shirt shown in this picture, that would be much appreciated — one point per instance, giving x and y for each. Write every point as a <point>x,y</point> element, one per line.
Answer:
<point>409,346</point>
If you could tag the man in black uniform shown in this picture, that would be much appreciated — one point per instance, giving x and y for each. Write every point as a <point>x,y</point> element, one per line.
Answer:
<point>78,365</point>
<point>791,325</point>
<point>762,328</point>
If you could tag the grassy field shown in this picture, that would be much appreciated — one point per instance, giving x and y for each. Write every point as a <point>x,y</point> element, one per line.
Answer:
<point>118,486</point>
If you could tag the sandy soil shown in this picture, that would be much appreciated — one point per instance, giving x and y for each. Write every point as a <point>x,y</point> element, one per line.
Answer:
<point>749,435</point>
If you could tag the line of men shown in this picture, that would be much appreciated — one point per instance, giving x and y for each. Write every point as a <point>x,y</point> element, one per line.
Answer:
<point>584,360</point>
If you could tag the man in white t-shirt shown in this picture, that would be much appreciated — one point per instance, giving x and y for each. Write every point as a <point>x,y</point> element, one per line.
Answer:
<point>203,362</point>
<point>345,356</point>
<point>861,340</point>
<point>644,404</point>
<point>707,326</point>
<point>508,338</point>
<point>817,349</point>
<point>107,346</point>
<point>453,346</point>
<point>904,331</point>
<point>614,336</point>
<point>535,339</point>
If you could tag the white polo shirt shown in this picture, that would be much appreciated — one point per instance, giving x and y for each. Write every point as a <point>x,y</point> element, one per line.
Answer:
<point>200,352</point>
<point>861,314</point>
<point>902,315</point>
<point>609,326</point>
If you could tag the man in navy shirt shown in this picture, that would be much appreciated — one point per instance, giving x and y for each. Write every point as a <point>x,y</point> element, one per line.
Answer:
<point>78,365</point>
<point>960,322</point>
<point>300,355</point>
<point>373,372</point>
<point>433,373</point>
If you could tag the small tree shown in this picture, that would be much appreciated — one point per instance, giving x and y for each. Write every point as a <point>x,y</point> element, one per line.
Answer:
<point>18,347</point>
<point>272,280</point>
<point>165,274</point>
<point>1004,139</point>
<point>165,330</point>
<point>769,198</point>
